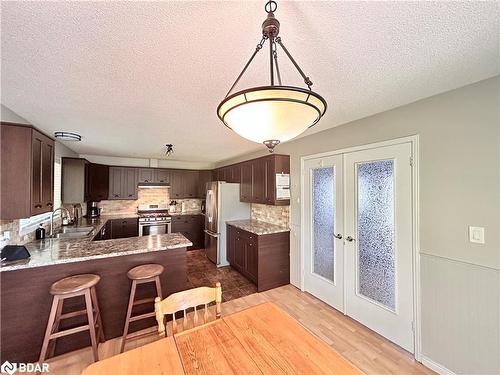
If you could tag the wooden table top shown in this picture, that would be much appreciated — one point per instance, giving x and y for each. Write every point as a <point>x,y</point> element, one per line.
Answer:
<point>260,340</point>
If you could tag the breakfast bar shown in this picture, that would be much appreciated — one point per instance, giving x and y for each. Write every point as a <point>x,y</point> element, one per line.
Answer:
<point>26,301</point>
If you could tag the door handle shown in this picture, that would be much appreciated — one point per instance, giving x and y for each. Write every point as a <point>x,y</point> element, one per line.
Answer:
<point>350,239</point>
<point>215,235</point>
<point>338,236</point>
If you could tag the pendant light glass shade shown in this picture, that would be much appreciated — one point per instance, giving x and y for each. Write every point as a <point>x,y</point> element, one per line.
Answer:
<point>271,112</point>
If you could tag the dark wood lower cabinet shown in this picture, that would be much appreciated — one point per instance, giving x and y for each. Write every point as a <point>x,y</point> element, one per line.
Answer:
<point>263,259</point>
<point>123,228</point>
<point>191,227</point>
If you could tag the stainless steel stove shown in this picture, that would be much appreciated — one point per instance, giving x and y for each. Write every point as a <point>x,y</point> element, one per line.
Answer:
<point>154,219</point>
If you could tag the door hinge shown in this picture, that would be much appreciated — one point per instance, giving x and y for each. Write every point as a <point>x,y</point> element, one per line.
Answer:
<point>411,161</point>
<point>413,326</point>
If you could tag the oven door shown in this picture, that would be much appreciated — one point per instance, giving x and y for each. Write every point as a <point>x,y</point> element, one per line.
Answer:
<point>149,229</point>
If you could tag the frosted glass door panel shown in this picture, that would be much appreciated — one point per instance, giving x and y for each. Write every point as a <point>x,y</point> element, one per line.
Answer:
<point>323,221</point>
<point>376,255</point>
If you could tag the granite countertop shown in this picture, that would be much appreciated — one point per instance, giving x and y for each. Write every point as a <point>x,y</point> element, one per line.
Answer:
<point>67,250</point>
<point>258,227</point>
<point>197,212</point>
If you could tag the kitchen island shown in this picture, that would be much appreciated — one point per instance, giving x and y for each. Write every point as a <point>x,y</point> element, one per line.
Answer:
<point>25,287</point>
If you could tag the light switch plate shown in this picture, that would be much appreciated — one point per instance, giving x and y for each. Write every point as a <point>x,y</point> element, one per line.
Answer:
<point>476,235</point>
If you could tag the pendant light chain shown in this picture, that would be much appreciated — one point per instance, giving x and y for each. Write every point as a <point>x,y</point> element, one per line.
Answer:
<point>257,49</point>
<point>307,81</point>
<point>275,56</point>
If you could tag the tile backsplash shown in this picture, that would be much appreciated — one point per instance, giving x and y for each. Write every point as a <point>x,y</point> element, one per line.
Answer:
<point>147,196</point>
<point>279,215</point>
<point>16,238</point>
<point>144,196</point>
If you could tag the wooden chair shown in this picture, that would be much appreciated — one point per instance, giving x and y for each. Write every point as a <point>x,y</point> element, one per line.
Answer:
<point>187,299</point>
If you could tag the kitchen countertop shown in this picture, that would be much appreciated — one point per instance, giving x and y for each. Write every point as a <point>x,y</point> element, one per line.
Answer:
<point>197,212</point>
<point>67,250</point>
<point>258,227</point>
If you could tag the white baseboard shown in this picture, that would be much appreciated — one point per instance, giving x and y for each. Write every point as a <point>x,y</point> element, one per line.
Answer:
<point>434,366</point>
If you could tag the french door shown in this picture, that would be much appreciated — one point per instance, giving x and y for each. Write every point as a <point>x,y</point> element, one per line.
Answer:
<point>324,213</point>
<point>358,242</point>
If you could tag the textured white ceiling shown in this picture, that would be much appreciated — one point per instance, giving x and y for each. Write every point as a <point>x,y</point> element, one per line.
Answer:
<point>132,76</point>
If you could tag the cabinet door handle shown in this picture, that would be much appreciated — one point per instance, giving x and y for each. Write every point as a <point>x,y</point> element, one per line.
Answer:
<point>146,180</point>
<point>130,195</point>
<point>48,204</point>
<point>350,239</point>
<point>38,206</point>
<point>338,236</point>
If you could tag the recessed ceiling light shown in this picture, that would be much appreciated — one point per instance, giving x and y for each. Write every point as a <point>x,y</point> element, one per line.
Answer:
<point>68,136</point>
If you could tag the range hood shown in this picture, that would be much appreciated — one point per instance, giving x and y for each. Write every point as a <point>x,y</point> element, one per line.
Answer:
<point>153,185</point>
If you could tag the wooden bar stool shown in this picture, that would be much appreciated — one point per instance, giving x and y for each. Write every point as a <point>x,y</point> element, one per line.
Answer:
<point>146,273</point>
<point>69,287</point>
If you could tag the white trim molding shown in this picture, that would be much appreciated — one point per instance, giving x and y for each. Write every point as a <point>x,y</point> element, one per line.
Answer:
<point>434,366</point>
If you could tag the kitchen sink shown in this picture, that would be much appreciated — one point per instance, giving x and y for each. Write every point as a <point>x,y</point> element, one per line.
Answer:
<point>74,232</point>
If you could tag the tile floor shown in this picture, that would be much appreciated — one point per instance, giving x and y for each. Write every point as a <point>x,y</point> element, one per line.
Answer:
<point>202,272</point>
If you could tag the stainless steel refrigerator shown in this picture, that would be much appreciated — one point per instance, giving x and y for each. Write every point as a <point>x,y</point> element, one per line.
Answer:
<point>222,204</point>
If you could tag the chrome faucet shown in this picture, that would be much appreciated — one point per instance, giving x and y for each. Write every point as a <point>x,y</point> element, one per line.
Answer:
<point>51,234</point>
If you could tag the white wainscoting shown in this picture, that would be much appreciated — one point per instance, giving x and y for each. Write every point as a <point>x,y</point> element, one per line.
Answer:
<point>460,316</point>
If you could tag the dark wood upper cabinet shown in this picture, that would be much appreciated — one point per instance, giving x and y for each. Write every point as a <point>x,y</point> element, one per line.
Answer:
<point>123,183</point>
<point>258,181</point>
<point>204,177</point>
<point>162,176</point>
<point>146,175</point>
<point>235,173</point>
<point>27,168</point>
<point>177,184</point>
<point>96,182</point>
<point>246,182</point>
<point>190,182</point>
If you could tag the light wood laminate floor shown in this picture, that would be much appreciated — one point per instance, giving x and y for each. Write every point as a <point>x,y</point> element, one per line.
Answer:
<point>364,348</point>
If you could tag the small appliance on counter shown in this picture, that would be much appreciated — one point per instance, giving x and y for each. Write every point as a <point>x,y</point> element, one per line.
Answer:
<point>172,206</point>
<point>92,209</point>
<point>40,233</point>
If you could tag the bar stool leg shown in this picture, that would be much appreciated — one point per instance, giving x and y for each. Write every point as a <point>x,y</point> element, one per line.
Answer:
<point>90,317</point>
<point>158,287</point>
<point>98,312</point>
<point>55,328</point>
<point>48,330</point>
<point>129,314</point>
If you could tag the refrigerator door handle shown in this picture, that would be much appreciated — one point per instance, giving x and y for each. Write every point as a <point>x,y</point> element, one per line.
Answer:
<point>211,234</point>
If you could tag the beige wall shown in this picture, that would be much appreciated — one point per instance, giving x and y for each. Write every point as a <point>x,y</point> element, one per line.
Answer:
<point>459,186</point>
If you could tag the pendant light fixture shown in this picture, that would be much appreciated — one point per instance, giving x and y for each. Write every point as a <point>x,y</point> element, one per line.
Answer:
<point>274,113</point>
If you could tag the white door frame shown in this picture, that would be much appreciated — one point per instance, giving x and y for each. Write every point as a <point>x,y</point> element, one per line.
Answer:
<point>414,141</point>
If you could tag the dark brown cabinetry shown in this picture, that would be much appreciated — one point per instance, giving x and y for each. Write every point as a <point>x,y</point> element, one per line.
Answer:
<point>257,178</point>
<point>154,175</point>
<point>27,169</point>
<point>204,177</point>
<point>146,175</point>
<point>122,228</point>
<point>122,183</point>
<point>185,184</point>
<point>42,190</point>
<point>191,226</point>
<point>246,182</point>
<point>96,182</point>
<point>263,259</point>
